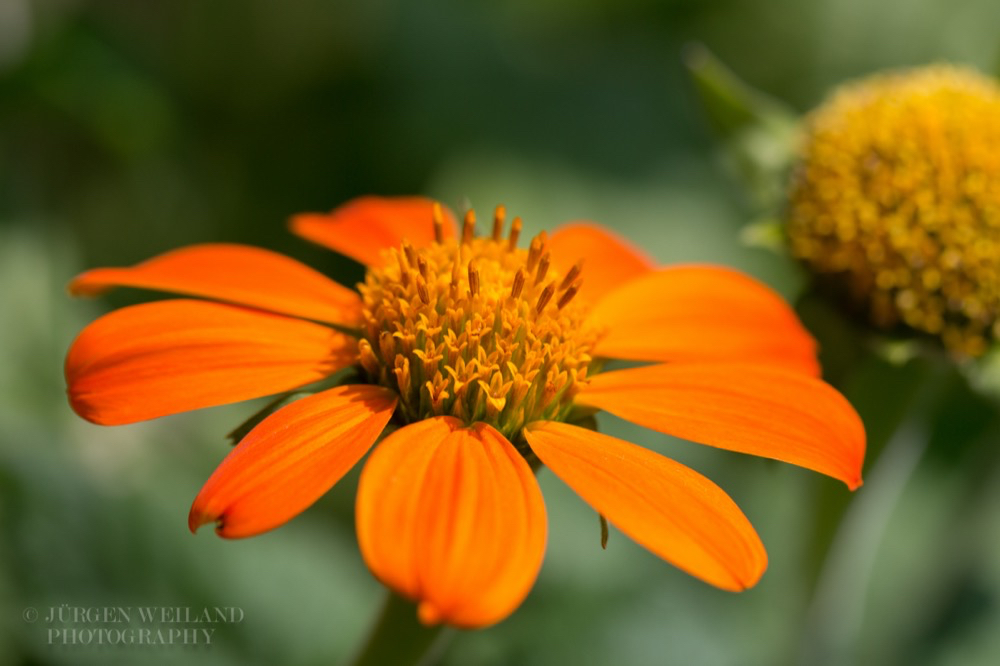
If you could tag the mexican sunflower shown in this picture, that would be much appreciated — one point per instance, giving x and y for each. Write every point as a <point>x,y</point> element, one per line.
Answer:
<point>486,359</point>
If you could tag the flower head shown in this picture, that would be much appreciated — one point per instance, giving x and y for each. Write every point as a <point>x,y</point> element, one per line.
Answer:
<point>487,358</point>
<point>897,201</point>
<point>478,329</point>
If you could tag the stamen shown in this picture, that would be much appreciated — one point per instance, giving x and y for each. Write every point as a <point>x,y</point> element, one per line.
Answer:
<point>422,267</point>
<point>469,228</point>
<point>422,291</point>
<point>567,296</point>
<point>404,267</point>
<point>438,222</point>
<point>515,290</point>
<point>543,268</point>
<point>498,217</point>
<point>473,279</point>
<point>411,254</point>
<point>545,297</point>
<point>387,346</point>
<point>368,359</point>
<point>535,250</point>
<point>456,271</point>
<point>571,275</point>
<point>515,231</point>
<point>402,372</point>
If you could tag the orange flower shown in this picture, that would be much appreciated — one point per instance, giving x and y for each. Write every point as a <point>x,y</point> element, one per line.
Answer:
<point>487,357</point>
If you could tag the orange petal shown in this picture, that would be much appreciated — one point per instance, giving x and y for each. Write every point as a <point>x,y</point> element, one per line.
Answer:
<point>702,313</point>
<point>664,506</point>
<point>451,517</point>
<point>761,410</point>
<point>608,260</point>
<point>236,273</point>
<point>161,358</point>
<point>291,459</point>
<point>365,226</point>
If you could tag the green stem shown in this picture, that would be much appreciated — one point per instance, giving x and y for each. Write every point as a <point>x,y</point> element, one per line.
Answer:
<point>835,616</point>
<point>399,638</point>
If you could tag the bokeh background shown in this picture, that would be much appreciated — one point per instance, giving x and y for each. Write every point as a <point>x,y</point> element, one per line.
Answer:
<point>130,128</point>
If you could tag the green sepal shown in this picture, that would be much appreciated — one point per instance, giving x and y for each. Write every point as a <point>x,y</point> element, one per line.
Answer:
<point>242,430</point>
<point>758,134</point>
<point>767,233</point>
<point>983,373</point>
<point>583,417</point>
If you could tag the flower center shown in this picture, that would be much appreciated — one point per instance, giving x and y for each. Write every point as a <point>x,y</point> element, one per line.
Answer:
<point>477,329</point>
<point>896,200</point>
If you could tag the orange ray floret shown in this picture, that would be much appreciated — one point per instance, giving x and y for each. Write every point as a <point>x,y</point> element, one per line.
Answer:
<point>166,357</point>
<point>670,509</point>
<point>290,459</point>
<point>762,410</point>
<point>365,226</point>
<point>239,274</point>
<point>452,517</point>
<point>702,313</point>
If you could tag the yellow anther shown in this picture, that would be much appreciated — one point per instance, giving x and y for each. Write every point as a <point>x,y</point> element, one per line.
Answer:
<point>545,297</point>
<point>515,232</point>
<point>469,227</point>
<point>567,296</point>
<point>422,291</point>
<point>518,285</point>
<point>535,251</point>
<point>410,253</point>
<point>498,217</point>
<point>368,359</point>
<point>438,218</point>
<point>463,328</point>
<point>571,275</point>
<point>543,268</point>
<point>473,279</point>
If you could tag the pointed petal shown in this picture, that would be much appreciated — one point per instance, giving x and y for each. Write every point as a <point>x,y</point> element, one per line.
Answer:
<point>702,313</point>
<point>291,459</point>
<point>756,409</point>
<point>365,226</point>
<point>664,506</point>
<point>608,260</point>
<point>238,274</point>
<point>452,518</point>
<point>161,358</point>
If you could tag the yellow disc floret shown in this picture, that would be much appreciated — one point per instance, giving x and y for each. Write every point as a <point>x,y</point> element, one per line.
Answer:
<point>897,198</point>
<point>477,329</point>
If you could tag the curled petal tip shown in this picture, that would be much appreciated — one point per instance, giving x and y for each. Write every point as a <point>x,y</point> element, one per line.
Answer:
<point>197,518</point>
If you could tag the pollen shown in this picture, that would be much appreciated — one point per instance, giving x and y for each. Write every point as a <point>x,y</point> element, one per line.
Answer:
<point>476,328</point>
<point>896,202</point>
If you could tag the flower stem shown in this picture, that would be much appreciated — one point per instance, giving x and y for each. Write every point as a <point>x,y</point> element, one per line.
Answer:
<point>398,637</point>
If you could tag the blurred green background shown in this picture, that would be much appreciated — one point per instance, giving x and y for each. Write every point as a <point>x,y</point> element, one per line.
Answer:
<point>130,128</point>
